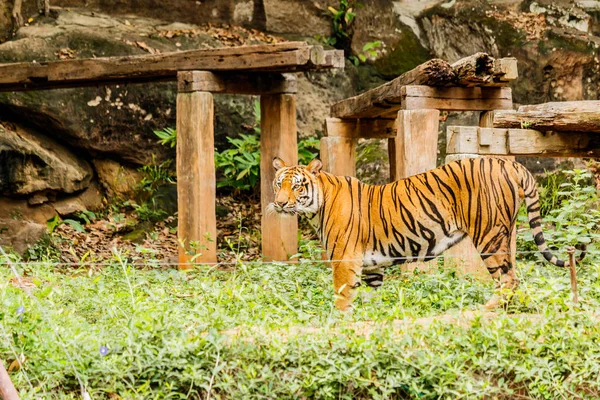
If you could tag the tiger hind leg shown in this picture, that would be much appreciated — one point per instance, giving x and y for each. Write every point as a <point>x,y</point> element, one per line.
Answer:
<point>372,276</point>
<point>499,264</point>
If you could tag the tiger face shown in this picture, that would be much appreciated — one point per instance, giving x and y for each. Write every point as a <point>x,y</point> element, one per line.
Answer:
<point>297,188</point>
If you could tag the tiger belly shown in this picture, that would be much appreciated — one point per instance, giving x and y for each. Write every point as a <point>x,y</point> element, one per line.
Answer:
<point>420,249</point>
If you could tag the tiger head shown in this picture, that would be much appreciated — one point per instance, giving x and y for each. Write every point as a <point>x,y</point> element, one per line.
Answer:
<point>297,189</point>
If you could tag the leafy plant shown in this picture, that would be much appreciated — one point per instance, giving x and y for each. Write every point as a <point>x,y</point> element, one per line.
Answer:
<point>167,136</point>
<point>156,175</point>
<point>240,164</point>
<point>306,150</point>
<point>368,50</point>
<point>342,19</point>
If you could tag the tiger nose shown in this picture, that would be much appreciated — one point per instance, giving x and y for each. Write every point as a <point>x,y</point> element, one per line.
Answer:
<point>280,203</point>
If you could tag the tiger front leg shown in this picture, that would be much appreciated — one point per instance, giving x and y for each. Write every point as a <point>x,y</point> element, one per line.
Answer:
<point>346,279</point>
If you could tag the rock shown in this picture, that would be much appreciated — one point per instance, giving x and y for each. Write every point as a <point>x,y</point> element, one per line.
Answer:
<point>89,200</point>
<point>20,235</point>
<point>30,163</point>
<point>138,235</point>
<point>282,17</point>
<point>118,180</point>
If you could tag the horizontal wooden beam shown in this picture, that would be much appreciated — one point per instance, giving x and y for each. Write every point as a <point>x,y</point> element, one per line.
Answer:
<point>283,57</point>
<point>387,99</point>
<point>224,82</point>
<point>564,106</point>
<point>564,121</point>
<point>456,98</point>
<point>360,128</point>
<point>521,142</point>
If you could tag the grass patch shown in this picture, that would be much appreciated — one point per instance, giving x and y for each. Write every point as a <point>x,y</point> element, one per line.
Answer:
<point>159,333</point>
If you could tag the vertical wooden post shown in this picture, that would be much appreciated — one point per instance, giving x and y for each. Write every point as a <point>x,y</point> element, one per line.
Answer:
<point>464,257</point>
<point>413,151</point>
<point>196,180</point>
<point>338,155</point>
<point>278,139</point>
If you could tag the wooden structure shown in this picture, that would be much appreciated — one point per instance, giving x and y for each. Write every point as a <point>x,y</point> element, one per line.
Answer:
<point>406,111</point>
<point>258,70</point>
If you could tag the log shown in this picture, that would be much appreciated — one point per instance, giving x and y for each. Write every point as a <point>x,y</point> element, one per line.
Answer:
<point>521,142</point>
<point>386,98</point>
<point>564,106</point>
<point>561,121</point>
<point>277,139</point>
<point>196,179</point>
<point>456,98</point>
<point>360,128</point>
<point>235,83</point>
<point>475,70</point>
<point>283,57</point>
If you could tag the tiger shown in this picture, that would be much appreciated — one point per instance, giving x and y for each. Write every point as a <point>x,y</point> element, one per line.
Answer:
<point>364,228</point>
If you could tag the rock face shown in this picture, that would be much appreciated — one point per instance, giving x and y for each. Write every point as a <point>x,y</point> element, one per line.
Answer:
<point>32,163</point>
<point>20,235</point>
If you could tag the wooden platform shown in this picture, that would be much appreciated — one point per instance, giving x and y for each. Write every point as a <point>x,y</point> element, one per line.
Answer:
<point>284,57</point>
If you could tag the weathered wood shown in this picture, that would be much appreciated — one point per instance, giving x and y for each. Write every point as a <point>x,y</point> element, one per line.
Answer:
<point>338,155</point>
<point>387,98</point>
<point>475,70</point>
<point>253,83</point>
<point>564,106</point>
<point>413,151</point>
<point>7,389</point>
<point>196,180</point>
<point>283,57</point>
<point>361,128</point>
<point>277,139</point>
<point>505,69</point>
<point>522,142</point>
<point>564,121</point>
<point>16,16</point>
<point>456,98</point>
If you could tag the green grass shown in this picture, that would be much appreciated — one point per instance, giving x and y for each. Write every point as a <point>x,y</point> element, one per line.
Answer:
<point>169,335</point>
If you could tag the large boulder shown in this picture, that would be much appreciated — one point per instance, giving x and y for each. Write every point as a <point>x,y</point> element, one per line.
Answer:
<point>20,235</point>
<point>31,163</point>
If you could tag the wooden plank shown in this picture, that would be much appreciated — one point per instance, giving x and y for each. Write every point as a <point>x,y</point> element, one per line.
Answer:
<point>564,106</point>
<point>523,142</point>
<point>278,139</point>
<point>283,57</point>
<point>235,83</point>
<point>474,70</point>
<point>564,121</point>
<point>196,180</point>
<point>456,98</point>
<point>413,151</point>
<point>361,128</point>
<point>505,69</point>
<point>386,98</point>
<point>338,155</point>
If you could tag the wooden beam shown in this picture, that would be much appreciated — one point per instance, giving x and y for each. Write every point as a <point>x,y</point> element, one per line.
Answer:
<point>456,98</point>
<point>338,155</point>
<point>361,128</point>
<point>414,149</point>
<point>564,106</point>
<point>474,70</point>
<point>283,57</point>
<point>196,180</point>
<point>521,142</point>
<point>386,98</point>
<point>563,121</point>
<point>277,139</point>
<point>253,83</point>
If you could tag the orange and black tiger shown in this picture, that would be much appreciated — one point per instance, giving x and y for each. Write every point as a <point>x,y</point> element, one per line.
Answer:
<point>365,227</point>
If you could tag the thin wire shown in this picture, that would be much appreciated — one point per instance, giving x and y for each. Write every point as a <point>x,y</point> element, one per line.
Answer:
<point>261,262</point>
<point>45,316</point>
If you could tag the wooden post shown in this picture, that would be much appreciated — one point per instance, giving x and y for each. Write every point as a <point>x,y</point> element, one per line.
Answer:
<point>338,155</point>
<point>413,151</point>
<point>7,389</point>
<point>278,139</point>
<point>196,178</point>
<point>464,257</point>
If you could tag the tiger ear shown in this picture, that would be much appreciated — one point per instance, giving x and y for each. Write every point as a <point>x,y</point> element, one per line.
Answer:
<point>278,163</point>
<point>315,166</point>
